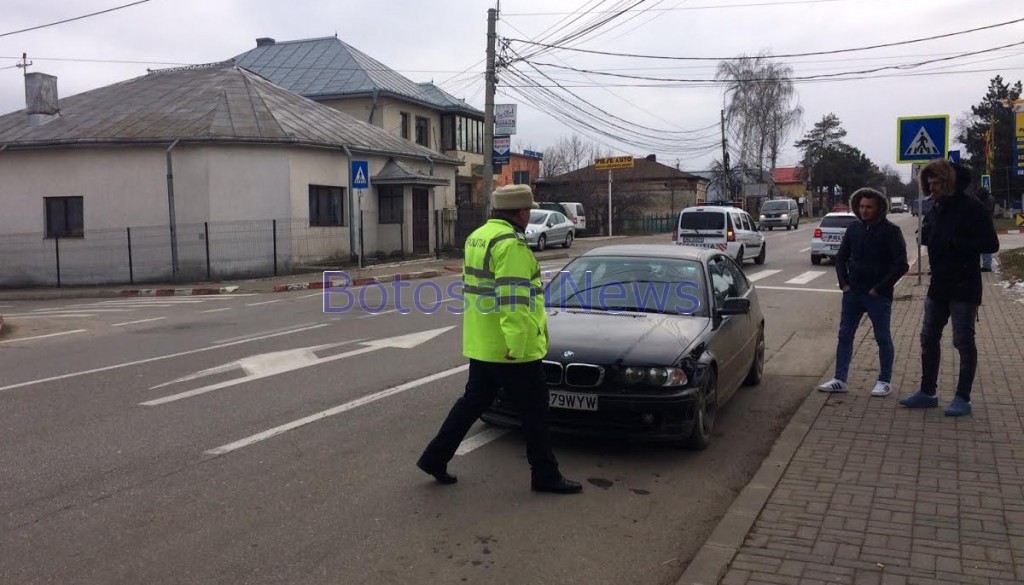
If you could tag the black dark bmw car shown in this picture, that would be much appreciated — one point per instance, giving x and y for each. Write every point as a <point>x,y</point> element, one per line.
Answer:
<point>647,342</point>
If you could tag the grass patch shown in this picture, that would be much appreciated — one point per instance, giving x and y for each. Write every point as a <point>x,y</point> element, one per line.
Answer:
<point>1004,223</point>
<point>1011,264</point>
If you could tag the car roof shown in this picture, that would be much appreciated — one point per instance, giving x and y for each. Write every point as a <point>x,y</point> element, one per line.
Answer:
<point>651,251</point>
<point>841,214</point>
<point>716,208</point>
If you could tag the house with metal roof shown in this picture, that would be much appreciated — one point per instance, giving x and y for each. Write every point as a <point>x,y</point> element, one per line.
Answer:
<point>338,75</point>
<point>203,172</point>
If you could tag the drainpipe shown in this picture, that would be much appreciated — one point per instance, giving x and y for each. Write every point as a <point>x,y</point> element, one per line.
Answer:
<point>170,212</point>
<point>352,211</point>
<point>373,109</point>
<point>431,161</point>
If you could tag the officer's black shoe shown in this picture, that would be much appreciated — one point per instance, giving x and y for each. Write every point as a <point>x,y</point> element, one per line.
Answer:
<point>560,486</point>
<point>441,475</point>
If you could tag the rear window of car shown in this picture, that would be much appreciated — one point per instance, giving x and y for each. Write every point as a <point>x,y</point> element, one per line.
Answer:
<point>551,206</point>
<point>837,221</point>
<point>702,220</point>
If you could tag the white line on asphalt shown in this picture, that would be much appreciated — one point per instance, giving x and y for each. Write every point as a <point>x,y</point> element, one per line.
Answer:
<point>162,301</point>
<point>762,274</point>
<point>805,250</point>
<point>480,439</point>
<point>336,410</point>
<point>49,316</point>
<point>149,360</point>
<point>216,310</point>
<point>806,277</point>
<point>6,306</point>
<point>801,289</point>
<point>319,294</point>
<point>44,336</point>
<point>281,330</point>
<point>139,321</point>
<point>407,310</point>
<point>264,303</point>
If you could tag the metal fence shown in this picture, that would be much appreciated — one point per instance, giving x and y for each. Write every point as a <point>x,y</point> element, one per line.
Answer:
<point>209,250</point>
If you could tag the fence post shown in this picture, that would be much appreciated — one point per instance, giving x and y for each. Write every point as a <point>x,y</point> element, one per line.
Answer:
<point>275,247</point>
<point>56,247</point>
<point>206,238</point>
<point>131,266</point>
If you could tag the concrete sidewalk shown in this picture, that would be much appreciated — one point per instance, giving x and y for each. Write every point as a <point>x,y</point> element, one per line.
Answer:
<point>861,491</point>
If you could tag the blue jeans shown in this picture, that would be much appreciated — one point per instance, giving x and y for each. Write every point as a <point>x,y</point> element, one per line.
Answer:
<point>986,261</point>
<point>936,314</point>
<point>879,310</point>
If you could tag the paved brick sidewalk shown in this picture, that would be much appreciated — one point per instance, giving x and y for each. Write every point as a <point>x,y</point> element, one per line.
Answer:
<point>880,494</point>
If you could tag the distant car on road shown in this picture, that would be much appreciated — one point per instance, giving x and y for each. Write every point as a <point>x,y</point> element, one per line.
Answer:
<point>728,229</point>
<point>829,235</point>
<point>780,213</point>
<point>549,227</point>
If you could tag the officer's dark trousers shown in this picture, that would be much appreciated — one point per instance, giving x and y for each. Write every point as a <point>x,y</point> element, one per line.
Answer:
<point>524,383</point>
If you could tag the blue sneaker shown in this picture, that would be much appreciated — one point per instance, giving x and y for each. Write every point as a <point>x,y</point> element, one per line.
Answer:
<point>959,407</point>
<point>920,400</point>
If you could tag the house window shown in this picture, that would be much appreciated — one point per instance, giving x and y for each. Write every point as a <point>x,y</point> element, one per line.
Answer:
<point>326,206</point>
<point>521,177</point>
<point>423,131</point>
<point>390,199</point>
<point>405,124</point>
<point>65,217</point>
<point>448,133</point>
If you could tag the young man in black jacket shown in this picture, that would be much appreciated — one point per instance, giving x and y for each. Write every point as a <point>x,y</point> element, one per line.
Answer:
<point>956,230</point>
<point>871,259</point>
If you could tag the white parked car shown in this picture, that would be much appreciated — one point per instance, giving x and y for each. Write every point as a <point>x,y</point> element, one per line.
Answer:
<point>829,235</point>
<point>571,210</point>
<point>725,228</point>
<point>549,228</point>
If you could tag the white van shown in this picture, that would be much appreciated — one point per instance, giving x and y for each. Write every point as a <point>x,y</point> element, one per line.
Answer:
<point>572,210</point>
<point>729,229</point>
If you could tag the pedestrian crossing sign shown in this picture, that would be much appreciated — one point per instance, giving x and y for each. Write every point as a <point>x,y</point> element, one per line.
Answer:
<point>922,138</point>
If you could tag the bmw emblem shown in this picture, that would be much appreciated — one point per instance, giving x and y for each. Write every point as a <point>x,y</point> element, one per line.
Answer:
<point>568,354</point>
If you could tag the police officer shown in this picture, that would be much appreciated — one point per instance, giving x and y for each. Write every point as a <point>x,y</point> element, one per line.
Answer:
<point>505,337</point>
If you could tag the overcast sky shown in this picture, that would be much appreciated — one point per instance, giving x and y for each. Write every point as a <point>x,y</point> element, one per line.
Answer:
<point>440,41</point>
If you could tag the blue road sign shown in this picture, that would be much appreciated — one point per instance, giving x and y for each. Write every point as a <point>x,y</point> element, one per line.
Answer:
<point>954,157</point>
<point>922,138</point>
<point>502,149</point>
<point>360,174</point>
<point>986,182</point>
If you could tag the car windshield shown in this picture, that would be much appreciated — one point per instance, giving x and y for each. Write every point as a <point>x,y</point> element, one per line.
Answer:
<point>702,220</point>
<point>538,217</point>
<point>837,221</point>
<point>670,286</point>
<point>775,206</point>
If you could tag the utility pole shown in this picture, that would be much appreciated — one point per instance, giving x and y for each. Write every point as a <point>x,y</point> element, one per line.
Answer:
<point>24,64</point>
<point>725,163</point>
<point>488,179</point>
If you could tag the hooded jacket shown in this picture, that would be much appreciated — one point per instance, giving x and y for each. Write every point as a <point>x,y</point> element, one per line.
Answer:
<point>957,230</point>
<point>872,255</point>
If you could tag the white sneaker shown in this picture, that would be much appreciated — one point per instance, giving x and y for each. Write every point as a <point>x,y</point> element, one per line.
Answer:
<point>833,385</point>
<point>881,389</point>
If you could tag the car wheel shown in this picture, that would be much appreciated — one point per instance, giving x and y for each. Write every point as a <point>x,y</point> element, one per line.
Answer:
<point>757,367</point>
<point>739,256</point>
<point>769,228</point>
<point>704,414</point>
<point>764,252</point>
<point>815,259</point>
<point>541,242</point>
<point>568,241</point>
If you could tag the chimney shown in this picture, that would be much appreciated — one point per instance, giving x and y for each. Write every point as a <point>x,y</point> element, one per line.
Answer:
<point>265,42</point>
<point>41,98</point>
<point>652,158</point>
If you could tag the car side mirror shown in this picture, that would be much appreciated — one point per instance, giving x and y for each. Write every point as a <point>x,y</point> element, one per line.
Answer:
<point>735,306</point>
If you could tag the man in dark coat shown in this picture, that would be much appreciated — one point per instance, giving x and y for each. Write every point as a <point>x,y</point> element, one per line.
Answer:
<point>956,230</point>
<point>871,259</point>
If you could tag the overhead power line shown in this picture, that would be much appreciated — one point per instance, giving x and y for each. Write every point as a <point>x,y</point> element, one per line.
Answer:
<point>14,32</point>
<point>783,56</point>
<point>712,7</point>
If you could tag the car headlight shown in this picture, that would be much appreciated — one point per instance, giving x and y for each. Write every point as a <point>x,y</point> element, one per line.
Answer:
<point>665,377</point>
<point>785,216</point>
<point>762,216</point>
<point>530,232</point>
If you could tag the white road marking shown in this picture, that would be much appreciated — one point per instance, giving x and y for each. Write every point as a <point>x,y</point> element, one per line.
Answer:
<point>216,310</point>
<point>319,294</point>
<point>267,365</point>
<point>264,303</point>
<point>149,360</point>
<point>6,306</point>
<point>407,310</point>
<point>480,439</point>
<point>68,310</point>
<point>801,289</point>
<point>139,321</point>
<point>761,275</point>
<point>49,316</point>
<point>44,337</point>
<point>281,330</point>
<point>806,277</point>
<point>805,250</point>
<point>334,411</point>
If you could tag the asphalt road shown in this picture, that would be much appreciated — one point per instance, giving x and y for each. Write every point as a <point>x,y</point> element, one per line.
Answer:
<point>144,442</point>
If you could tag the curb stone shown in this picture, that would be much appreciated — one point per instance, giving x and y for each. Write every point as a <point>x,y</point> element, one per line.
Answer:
<point>355,282</point>
<point>174,292</point>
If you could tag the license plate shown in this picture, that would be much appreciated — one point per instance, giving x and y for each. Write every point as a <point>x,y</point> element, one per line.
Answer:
<point>834,247</point>
<point>693,239</point>
<point>572,400</point>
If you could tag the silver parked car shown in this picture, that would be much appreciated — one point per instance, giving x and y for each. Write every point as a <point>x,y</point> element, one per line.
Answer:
<point>829,235</point>
<point>549,227</point>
